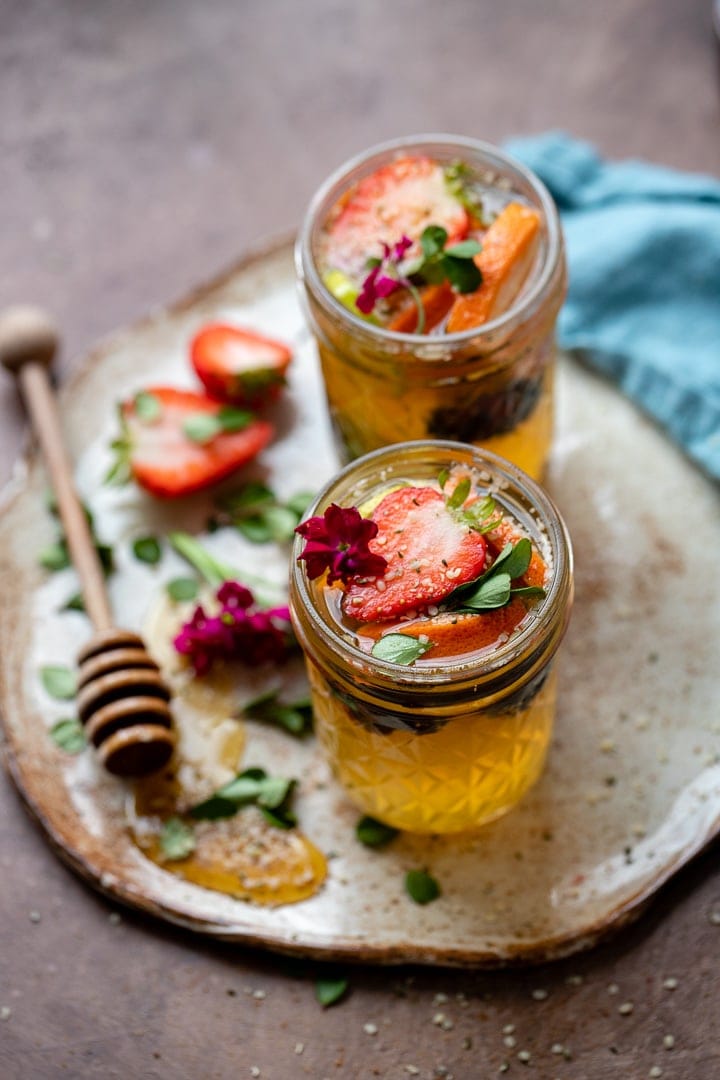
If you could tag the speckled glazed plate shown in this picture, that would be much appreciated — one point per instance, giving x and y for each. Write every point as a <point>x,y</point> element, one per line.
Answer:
<point>632,787</point>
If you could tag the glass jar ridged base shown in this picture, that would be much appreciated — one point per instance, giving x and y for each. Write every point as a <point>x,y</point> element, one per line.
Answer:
<point>463,774</point>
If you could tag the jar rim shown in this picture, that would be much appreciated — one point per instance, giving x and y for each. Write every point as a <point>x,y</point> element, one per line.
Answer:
<point>503,656</point>
<point>307,269</point>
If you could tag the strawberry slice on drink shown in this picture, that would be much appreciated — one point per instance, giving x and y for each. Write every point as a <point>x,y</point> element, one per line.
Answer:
<point>238,366</point>
<point>175,441</point>
<point>399,199</point>
<point>429,552</point>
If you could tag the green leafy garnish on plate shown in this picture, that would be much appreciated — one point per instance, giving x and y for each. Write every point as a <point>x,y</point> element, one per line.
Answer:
<point>69,735</point>
<point>329,991</point>
<point>421,886</point>
<point>373,833</point>
<point>59,681</point>
<point>253,787</point>
<point>177,840</point>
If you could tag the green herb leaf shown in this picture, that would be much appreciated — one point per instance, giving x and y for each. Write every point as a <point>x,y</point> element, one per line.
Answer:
<point>399,648</point>
<point>182,588</point>
<point>106,557</point>
<point>147,407</point>
<point>281,817</point>
<point>214,571</point>
<point>330,991</point>
<point>443,477</point>
<point>69,735</point>
<point>55,556</point>
<point>147,549</point>
<point>529,592</point>
<point>251,787</point>
<point>300,502</point>
<point>491,592</point>
<point>421,887</point>
<point>466,249</point>
<point>373,833</point>
<point>75,603</point>
<point>202,427</point>
<point>296,718</point>
<point>517,561</point>
<point>248,500</point>
<point>234,419</point>
<point>59,681</point>
<point>433,240</point>
<point>463,274</point>
<point>460,494</point>
<point>177,840</point>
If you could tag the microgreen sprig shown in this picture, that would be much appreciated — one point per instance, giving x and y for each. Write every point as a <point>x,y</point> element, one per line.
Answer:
<point>493,589</point>
<point>435,264</point>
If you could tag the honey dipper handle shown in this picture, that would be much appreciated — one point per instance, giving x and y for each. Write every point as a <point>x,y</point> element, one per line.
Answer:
<point>28,342</point>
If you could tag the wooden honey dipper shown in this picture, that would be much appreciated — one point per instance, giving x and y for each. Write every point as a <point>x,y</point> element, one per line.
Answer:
<point>122,700</point>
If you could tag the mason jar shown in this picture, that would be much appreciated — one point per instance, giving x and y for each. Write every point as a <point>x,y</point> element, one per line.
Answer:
<point>492,385</point>
<point>440,746</point>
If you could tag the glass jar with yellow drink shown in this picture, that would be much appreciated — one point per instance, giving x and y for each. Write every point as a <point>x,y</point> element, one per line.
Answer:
<point>430,590</point>
<point>433,270</point>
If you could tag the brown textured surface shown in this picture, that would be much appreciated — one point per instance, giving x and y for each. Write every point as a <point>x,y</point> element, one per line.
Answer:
<point>142,148</point>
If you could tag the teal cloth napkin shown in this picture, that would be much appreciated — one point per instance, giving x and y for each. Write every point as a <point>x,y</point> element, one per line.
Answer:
<point>643,304</point>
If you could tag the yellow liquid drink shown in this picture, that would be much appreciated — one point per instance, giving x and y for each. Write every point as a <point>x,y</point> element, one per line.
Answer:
<point>428,360</point>
<point>452,730</point>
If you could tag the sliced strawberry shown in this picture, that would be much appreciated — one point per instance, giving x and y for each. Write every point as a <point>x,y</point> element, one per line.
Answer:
<point>168,461</point>
<point>399,199</point>
<point>239,366</point>
<point>428,550</point>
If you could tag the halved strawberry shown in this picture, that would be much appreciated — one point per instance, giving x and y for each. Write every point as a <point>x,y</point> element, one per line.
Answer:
<point>178,441</point>
<point>428,550</point>
<point>239,366</point>
<point>399,199</point>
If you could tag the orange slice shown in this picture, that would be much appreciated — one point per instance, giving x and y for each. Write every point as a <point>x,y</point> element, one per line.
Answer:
<point>508,251</point>
<point>436,300</point>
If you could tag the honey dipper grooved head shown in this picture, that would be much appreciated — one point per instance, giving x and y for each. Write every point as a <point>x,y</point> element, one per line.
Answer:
<point>123,704</point>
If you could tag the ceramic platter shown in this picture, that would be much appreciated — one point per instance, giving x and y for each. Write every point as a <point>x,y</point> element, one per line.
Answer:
<point>632,787</point>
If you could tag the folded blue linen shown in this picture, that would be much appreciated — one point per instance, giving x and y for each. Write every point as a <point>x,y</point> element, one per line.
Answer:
<point>643,304</point>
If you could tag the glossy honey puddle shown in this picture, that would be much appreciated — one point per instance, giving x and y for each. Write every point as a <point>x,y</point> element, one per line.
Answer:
<point>243,856</point>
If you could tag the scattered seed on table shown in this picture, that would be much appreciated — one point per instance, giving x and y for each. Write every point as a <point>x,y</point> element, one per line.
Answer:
<point>299,1047</point>
<point>655,1072</point>
<point>504,1067</point>
<point>34,916</point>
<point>668,1041</point>
<point>259,995</point>
<point>5,1012</point>
<point>539,995</point>
<point>508,1029</point>
<point>447,1025</point>
<point>557,1048</point>
<point>524,1056</point>
<point>254,1070</point>
<point>574,980</point>
<point>412,1070</point>
<point>370,1029</point>
<point>510,1041</point>
<point>613,988</point>
<point>670,984</point>
<point>626,1008</point>
<point>440,999</point>
<point>438,1019</point>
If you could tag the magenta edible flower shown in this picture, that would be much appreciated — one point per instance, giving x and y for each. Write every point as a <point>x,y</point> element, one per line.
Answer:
<point>239,631</point>
<point>338,542</point>
<point>384,277</point>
